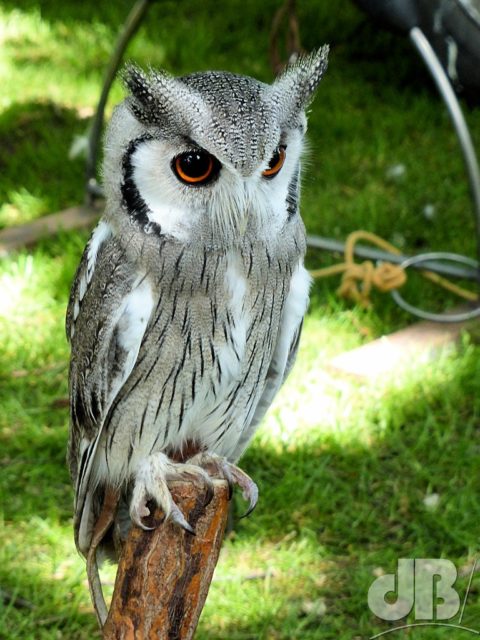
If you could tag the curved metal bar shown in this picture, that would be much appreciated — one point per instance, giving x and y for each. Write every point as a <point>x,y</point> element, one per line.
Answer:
<point>461,129</point>
<point>471,10</point>
<point>329,244</point>
<point>134,19</point>
<point>427,315</point>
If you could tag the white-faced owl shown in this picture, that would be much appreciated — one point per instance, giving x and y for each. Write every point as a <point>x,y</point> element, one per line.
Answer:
<point>186,310</point>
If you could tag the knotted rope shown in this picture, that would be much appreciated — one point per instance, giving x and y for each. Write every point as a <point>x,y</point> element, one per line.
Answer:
<point>359,279</point>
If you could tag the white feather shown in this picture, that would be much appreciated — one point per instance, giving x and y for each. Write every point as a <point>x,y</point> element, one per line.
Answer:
<point>293,312</point>
<point>134,315</point>
<point>101,233</point>
<point>231,355</point>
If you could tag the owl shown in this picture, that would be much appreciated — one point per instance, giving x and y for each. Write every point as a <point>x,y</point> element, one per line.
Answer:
<point>186,310</point>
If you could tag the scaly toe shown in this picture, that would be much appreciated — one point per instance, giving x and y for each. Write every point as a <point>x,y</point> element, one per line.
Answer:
<point>139,510</point>
<point>151,483</point>
<point>232,474</point>
<point>193,473</point>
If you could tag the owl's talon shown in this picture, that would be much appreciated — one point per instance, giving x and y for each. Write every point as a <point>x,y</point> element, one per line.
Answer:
<point>143,526</point>
<point>248,486</point>
<point>152,483</point>
<point>178,518</point>
<point>251,507</point>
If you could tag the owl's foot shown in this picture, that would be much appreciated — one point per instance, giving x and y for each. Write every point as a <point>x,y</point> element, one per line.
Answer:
<point>217,465</point>
<point>151,482</point>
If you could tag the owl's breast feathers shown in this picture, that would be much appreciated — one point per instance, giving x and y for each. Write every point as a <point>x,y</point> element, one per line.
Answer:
<point>191,348</point>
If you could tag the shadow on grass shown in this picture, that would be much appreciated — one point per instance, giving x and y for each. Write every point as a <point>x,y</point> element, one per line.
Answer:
<point>77,12</point>
<point>50,612</point>
<point>361,506</point>
<point>37,174</point>
<point>358,44</point>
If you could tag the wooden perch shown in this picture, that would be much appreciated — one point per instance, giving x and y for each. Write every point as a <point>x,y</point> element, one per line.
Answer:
<point>164,575</point>
<point>26,235</point>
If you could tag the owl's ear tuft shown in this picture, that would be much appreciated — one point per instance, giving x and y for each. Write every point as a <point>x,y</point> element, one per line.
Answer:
<point>301,78</point>
<point>138,83</point>
<point>154,96</point>
<point>143,101</point>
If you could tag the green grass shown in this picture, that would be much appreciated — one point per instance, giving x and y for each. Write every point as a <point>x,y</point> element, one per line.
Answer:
<point>344,467</point>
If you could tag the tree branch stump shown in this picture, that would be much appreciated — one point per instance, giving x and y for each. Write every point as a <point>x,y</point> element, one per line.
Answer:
<point>164,575</point>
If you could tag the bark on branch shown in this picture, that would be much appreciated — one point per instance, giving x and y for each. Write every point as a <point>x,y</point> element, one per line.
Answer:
<point>164,575</point>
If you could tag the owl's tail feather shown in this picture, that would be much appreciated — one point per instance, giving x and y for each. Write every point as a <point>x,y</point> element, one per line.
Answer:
<point>102,525</point>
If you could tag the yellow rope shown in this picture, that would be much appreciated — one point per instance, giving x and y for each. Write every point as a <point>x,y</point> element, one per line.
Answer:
<point>358,279</point>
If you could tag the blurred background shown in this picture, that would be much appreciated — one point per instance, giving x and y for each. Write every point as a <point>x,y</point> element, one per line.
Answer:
<point>354,472</point>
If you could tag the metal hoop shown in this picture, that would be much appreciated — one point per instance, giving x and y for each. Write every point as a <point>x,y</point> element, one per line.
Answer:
<point>427,315</point>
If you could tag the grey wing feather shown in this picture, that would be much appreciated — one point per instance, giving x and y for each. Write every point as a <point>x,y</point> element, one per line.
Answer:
<point>277,374</point>
<point>98,321</point>
<point>84,274</point>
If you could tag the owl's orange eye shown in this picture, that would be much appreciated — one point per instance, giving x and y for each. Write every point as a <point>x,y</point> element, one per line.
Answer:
<point>276,162</point>
<point>195,168</point>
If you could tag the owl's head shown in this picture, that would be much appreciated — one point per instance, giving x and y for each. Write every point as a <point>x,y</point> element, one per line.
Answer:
<point>209,155</point>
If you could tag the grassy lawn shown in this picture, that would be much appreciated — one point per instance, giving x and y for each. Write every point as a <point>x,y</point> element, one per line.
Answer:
<point>353,475</point>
